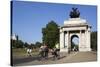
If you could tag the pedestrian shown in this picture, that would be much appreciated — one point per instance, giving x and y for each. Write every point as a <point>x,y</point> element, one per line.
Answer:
<point>74,49</point>
<point>54,53</point>
<point>46,50</point>
<point>41,51</point>
<point>57,50</point>
<point>29,52</point>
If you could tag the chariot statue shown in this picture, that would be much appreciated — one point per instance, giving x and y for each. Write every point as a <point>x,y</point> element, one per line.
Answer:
<point>74,13</point>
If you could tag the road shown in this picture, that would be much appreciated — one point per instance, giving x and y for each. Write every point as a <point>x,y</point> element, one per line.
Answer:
<point>73,57</point>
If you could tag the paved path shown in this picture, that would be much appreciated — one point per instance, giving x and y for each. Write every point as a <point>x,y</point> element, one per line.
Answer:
<point>65,58</point>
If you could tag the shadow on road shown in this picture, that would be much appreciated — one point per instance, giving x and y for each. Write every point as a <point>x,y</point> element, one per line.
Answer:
<point>30,59</point>
<point>62,57</point>
<point>24,60</point>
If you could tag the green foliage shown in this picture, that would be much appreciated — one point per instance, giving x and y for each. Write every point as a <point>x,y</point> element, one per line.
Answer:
<point>72,45</point>
<point>32,45</point>
<point>21,44</point>
<point>77,47</point>
<point>26,44</point>
<point>38,44</point>
<point>50,34</point>
<point>94,41</point>
<point>17,43</point>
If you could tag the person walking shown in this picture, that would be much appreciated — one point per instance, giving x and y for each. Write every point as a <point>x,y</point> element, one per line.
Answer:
<point>57,50</point>
<point>29,52</point>
<point>54,53</point>
<point>41,51</point>
<point>46,50</point>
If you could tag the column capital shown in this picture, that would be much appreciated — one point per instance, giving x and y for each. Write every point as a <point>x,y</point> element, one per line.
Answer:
<point>61,31</point>
<point>89,29</point>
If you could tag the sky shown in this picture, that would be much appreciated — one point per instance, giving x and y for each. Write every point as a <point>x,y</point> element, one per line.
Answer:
<point>28,18</point>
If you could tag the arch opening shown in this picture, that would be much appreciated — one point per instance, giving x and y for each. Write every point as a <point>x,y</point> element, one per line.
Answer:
<point>74,43</point>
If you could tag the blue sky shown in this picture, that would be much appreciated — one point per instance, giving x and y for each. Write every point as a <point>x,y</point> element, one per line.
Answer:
<point>30,17</point>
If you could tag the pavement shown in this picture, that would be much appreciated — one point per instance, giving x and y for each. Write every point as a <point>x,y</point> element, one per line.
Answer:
<point>73,57</point>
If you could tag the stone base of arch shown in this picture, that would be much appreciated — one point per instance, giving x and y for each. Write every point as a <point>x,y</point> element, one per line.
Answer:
<point>80,49</point>
<point>85,49</point>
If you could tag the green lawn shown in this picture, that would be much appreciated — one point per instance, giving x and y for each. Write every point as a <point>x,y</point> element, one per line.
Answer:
<point>20,52</point>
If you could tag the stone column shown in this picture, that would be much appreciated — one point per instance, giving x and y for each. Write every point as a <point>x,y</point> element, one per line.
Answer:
<point>61,39</point>
<point>67,41</point>
<point>66,38</point>
<point>80,47</point>
<point>83,41</point>
<point>88,40</point>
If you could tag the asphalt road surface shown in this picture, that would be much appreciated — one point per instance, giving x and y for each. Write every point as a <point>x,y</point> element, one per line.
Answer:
<point>73,57</point>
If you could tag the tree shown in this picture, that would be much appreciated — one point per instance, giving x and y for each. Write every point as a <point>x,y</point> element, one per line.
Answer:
<point>32,45</point>
<point>38,44</point>
<point>13,43</point>
<point>26,44</point>
<point>94,40</point>
<point>50,34</point>
<point>72,45</point>
<point>17,43</point>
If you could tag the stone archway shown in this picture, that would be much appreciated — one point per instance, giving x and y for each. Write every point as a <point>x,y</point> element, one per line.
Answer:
<point>74,43</point>
<point>75,26</point>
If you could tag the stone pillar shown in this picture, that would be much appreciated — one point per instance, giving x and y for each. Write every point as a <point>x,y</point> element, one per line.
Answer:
<point>80,46</point>
<point>88,45</point>
<point>61,39</point>
<point>66,38</point>
<point>67,41</point>
<point>83,40</point>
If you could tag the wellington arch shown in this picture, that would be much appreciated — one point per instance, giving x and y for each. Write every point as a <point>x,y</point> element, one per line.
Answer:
<point>78,27</point>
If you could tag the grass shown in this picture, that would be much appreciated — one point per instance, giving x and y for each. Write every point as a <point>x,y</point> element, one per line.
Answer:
<point>20,52</point>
